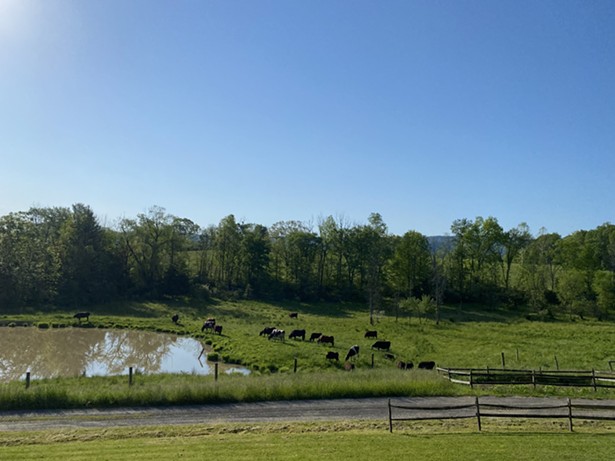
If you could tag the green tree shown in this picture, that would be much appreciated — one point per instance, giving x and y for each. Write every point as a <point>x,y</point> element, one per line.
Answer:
<point>513,243</point>
<point>84,259</point>
<point>377,250</point>
<point>255,251</point>
<point>147,240</point>
<point>410,265</point>
<point>603,286</point>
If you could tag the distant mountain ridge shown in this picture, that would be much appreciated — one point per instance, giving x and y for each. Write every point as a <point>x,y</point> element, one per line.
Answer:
<point>437,242</point>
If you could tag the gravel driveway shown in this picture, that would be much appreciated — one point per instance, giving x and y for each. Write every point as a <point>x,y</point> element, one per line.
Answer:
<point>285,411</point>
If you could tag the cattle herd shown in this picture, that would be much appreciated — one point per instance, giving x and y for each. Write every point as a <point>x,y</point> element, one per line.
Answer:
<point>277,334</point>
<point>274,333</point>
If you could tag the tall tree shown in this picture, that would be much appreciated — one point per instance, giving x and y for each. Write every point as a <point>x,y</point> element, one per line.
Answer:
<point>147,240</point>
<point>513,242</point>
<point>84,273</point>
<point>377,251</point>
<point>410,264</point>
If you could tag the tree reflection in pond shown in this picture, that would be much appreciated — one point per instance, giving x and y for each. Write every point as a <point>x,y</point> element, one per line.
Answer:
<point>74,351</point>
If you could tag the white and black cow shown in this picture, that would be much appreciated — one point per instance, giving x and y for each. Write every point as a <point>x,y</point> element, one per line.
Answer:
<point>352,352</point>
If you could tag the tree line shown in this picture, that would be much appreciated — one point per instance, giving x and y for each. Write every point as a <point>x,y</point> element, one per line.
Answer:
<point>65,257</point>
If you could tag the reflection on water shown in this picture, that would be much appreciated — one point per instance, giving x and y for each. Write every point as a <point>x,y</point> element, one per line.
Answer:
<point>75,351</point>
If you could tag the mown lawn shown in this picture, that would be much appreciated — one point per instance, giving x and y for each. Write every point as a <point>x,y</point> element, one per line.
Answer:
<point>312,441</point>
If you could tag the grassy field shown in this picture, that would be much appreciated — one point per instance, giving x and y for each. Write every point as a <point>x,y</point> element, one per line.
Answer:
<point>316,441</point>
<point>466,337</point>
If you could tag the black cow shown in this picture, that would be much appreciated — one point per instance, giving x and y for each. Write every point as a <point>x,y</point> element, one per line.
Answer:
<point>405,365</point>
<point>333,356</point>
<point>389,356</point>
<point>326,340</point>
<point>293,315</point>
<point>266,331</point>
<point>427,365</point>
<point>276,334</point>
<point>297,334</point>
<point>314,336</point>
<point>352,352</point>
<point>82,315</point>
<point>371,334</point>
<point>382,345</point>
<point>175,319</point>
<point>218,329</point>
<point>208,325</point>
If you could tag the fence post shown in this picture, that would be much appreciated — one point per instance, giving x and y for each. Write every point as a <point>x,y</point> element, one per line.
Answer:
<point>517,354</point>
<point>295,367</point>
<point>503,361</point>
<point>471,381</point>
<point>534,378</point>
<point>390,418</point>
<point>216,371</point>
<point>372,360</point>
<point>478,415</point>
<point>27,380</point>
<point>556,363</point>
<point>130,376</point>
<point>594,379</point>
<point>569,414</point>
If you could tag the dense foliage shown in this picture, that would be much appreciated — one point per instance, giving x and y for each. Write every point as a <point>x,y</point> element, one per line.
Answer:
<point>62,256</point>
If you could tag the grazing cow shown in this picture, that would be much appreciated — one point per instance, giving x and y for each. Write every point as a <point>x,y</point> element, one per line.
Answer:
<point>333,356</point>
<point>208,325</point>
<point>294,315</point>
<point>371,334</point>
<point>382,345</point>
<point>326,340</point>
<point>405,365</point>
<point>266,331</point>
<point>277,334</point>
<point>297,334</point>
<point>314,336</point>
<point>427,365</point>
<point>175,319</point>
<point>82,315</point>
<point>352,352</point>
<point>389,356</point>
<point>218,329</point>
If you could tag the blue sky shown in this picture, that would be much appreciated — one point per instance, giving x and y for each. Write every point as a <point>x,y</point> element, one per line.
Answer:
<point>422,111</point>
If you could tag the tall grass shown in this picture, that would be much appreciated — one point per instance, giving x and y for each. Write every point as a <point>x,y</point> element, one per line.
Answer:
<point>189,389</point>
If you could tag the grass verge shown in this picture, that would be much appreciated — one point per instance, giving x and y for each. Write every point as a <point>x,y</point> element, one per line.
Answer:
<point>542,440</point>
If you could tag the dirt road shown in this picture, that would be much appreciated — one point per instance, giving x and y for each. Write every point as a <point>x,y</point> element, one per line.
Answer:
<point>304,410</point>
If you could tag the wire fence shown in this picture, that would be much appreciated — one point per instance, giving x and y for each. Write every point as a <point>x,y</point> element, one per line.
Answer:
<point>570,378</point>
<point>568,410</point>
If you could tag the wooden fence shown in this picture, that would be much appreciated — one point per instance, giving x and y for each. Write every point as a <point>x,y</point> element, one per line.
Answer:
<point>492,376</point>
<point>481,410</point>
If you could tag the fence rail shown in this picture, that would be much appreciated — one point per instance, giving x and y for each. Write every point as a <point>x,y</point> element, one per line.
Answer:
<point>571,378</point>
<point>481,410</point>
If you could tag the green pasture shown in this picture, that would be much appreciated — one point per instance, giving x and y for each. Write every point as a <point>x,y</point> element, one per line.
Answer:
<point>316,441</point>
<point>465,337</point>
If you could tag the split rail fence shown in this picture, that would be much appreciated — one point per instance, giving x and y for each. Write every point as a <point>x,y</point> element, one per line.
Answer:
<point>492,376</point>
<point>481,410</point>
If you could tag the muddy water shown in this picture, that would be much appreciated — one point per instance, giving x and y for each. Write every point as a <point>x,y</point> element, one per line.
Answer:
<point>77,351</point>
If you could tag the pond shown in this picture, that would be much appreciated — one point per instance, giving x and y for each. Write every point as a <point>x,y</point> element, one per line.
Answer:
<point>67,352</point>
